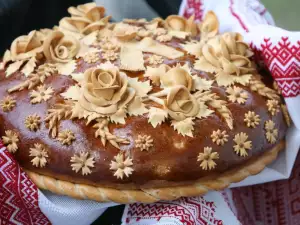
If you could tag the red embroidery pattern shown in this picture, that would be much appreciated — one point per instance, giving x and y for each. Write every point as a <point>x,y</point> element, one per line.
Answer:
<point>276,203</point>
<point>18,195</point>
<point>283,61</point>
<point>194,7</point>
<point>189,211</point>
<point>236,15</point>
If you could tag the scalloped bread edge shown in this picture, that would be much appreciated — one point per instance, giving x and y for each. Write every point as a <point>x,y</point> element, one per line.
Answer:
<point>200,187</point>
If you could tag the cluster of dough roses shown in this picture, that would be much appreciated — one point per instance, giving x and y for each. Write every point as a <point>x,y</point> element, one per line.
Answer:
<point>179,102</point>
<point>61,45</point>
<point>54,45</point>
<point>106,91</point>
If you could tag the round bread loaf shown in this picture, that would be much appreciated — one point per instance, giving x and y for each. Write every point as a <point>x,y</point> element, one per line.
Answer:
<point>131,111</point>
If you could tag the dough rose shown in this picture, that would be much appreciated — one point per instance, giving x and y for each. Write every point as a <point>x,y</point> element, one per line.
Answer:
<point>89,10</point>
<point>26,46</point>
<point>60,48</point>
<point>84,19</point>
<point>226,52</point>
<point>105,91</point>
<point>180,104</point>
<point>177,76</point>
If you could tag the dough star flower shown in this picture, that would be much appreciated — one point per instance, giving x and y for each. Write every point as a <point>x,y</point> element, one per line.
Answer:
<point>32,122</point>
<point>236,94</point>
<point>110,55</point>
<point>155,59</point>
<point>144,142</point>
<point>41,94</point>
<point>47,69</point>
<point>273,106</point>
<point>271,132</point>
<point>219,137</point>
<point>91,57</point>
<point>207,158</point>
<point>122,166</point>
<point>109,46</point>
<point>66,137</point>
<point>7,104</point>
<point>164,38</point>
<point>242,145</point>
<point>251,119</point>
<point>10,140</point>
<point>82,162</point>
<point>39,154</point>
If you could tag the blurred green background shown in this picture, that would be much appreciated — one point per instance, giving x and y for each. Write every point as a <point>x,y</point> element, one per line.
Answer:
<point>285,12</point>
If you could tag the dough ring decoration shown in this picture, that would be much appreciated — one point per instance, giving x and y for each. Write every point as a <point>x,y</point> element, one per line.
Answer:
<point>137,111</point>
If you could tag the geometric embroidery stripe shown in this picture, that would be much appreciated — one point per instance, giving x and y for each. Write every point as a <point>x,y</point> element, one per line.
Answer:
<point>19,194</point>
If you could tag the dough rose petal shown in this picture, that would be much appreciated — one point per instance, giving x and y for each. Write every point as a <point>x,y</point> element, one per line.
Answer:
<point>26,46</point>
<point>178,23</point>
<point>177,76</point>
<point>74,24</point>
<point>96,26</point>
<point>210,25</point>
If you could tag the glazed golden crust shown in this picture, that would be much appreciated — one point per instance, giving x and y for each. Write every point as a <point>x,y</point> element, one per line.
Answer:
<point>89,105</point>
<point>171,161</point>
<point>200,187</point>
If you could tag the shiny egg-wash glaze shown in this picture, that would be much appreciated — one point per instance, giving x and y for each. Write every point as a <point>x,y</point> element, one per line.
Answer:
<point>171,161</point>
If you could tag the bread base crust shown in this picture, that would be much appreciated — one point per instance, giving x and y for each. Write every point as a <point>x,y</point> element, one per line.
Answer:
<point>150,195</point>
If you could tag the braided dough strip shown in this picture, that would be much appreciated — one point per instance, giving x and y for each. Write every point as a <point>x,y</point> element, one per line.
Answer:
<point>202,186</point>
